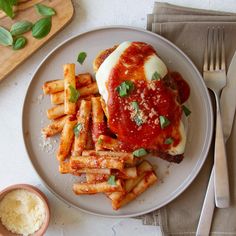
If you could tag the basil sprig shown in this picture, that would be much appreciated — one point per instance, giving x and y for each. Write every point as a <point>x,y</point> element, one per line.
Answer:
<point>19,43</point>
<point>77,129</point>
<point>20,27</point>
<point>137,118</point>
<point>81,57</point>
<point>125,88</point>
<point>44,10</point>
<point>112,180</point>
<point>140,152</point>
<point>74,94</point>
<point>5,37</point>
<point>42,27</point>
<point>164,122</point>
<point>186,111</point>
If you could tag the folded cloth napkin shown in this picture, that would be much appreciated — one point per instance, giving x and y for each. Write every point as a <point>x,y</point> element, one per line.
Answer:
<point>187,28</point>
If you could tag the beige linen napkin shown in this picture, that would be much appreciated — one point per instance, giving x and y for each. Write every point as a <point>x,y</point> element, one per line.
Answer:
<point>187,28</point>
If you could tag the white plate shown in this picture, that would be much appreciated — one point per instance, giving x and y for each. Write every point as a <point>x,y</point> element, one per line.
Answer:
<point>174,178</point>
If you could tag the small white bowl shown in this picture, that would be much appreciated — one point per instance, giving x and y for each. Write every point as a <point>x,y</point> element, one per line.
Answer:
<point>30,188</point>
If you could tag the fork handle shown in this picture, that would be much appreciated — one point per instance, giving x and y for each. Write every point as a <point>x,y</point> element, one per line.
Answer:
<point>222,197</point>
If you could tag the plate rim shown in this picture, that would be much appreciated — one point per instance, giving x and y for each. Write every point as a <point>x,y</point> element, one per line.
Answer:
<point>189,178</point>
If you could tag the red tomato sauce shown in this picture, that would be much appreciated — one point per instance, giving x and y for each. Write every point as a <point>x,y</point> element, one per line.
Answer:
<point>154,98</point>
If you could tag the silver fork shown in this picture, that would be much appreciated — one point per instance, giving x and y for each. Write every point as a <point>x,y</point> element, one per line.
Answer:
<point>214,74</point>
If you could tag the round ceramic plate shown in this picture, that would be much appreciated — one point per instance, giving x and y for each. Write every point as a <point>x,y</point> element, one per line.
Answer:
<point>173,178</point>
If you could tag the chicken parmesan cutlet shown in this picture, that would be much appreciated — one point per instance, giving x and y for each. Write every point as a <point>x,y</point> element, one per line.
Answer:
<point>142,100</point>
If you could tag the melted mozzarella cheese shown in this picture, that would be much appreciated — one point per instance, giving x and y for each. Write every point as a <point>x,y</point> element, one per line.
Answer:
<point>152,64</point>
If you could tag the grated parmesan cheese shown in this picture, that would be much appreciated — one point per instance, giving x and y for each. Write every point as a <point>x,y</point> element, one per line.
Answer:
<point>22,212</point>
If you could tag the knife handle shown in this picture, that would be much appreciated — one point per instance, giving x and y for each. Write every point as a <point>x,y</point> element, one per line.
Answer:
<point>221,179</point>
<point>205,220</point>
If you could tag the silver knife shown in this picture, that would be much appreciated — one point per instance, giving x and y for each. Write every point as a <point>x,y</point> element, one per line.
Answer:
<point>228,106</point>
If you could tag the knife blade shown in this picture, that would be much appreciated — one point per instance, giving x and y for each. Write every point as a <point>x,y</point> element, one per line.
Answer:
<point>228,105</point>
<point>228,99</point>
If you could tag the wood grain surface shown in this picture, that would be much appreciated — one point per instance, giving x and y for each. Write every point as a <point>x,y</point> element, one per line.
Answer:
<point>10,59</point>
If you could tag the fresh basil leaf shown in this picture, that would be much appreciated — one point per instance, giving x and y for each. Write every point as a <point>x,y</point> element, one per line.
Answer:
<point>112,180</point>
<point>168,141</point>
<point>74,94</point>
<point>125,88</point>
<point>42,28</point>
<point>19,43</point>
<point>21,27</point>
<point>81,57</point>
<point>44,10</point>
<point>140,152</point>
<point>138,120</point>
<point>156,76</point>
<point>5,37</point>
<point>186,111</point>
<point>7,7</point>
<point>164,121</point>
<point>77,129</point>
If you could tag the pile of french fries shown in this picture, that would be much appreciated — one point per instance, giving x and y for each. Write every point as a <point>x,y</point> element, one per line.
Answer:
<point>85,147</point>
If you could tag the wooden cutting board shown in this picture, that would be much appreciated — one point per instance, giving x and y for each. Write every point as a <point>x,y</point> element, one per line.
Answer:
<point>10,59</point>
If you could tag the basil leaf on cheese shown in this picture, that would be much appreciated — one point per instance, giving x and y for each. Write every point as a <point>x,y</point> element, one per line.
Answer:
<point>186,111</point>
<point>125,88</point>
<point>156,76</point>
<point>164,122</point>
<point>77,129</point>
<point>81,57</point>
<point>137,117</point>
<point>140,152</point>
<point>112,180</point>
<point>168,141</point>
<point>74,94</point>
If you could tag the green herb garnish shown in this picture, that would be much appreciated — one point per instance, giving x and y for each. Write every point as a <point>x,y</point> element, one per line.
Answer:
<point>137,117</point>
<point>5,37</point>
<point>125,88</point>
<point>140,152</point>
<point>42,28</point>
<point>74,94</point>
<point>112,180</point>
<point>20,27</point>
<point>7,7</point>
<point>168,141</point>
<point>186,111</point>
<point>81,57</point>
<point>156,76</point>
<point>19,43</point>
<point>77,129</point>
<point>164,122</point>
<point>99,141</point>
<point>44,10</point>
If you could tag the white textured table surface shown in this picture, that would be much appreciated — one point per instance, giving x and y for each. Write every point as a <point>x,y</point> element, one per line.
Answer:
<point>15,166</point>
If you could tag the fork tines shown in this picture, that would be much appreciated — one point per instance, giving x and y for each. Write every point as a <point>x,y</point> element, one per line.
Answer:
<point>214,56</point>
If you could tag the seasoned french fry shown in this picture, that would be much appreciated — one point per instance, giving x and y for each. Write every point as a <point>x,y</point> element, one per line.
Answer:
<point>148,180</point>
<point>89,143</point>
<point>127,157</point>
<point>99,126</point>
<point>105,142</point>
<point>78,162</point>
<point>69,85</point>
<point>66,139</point>
<point>104,107</point>
<point>83,117</point>
<point>55,127</point>
<point>57,98</point>
<point>56,112</point>
<point>86,188</point>
<point>53,86</point>
<point>83,80</point>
